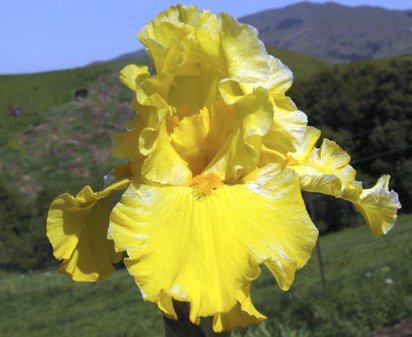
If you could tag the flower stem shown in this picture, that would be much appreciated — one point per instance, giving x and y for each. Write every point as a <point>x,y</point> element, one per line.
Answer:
<point>183,327</point>
<point>312,213</point>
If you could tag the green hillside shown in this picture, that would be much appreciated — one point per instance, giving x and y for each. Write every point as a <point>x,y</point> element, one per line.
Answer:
<point>302,65</point>
<point>36,94</point>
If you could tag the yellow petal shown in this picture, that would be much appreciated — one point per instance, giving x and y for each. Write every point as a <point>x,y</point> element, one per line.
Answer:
<point>246,61</point>
<point>203,245</point>
<point>151,96</point>
<point>183,39</point>
<point>163,35</point>
<point>325,169</point>
<point>163,164</point>
<point>198,138</point>
<point>192,93</point>
<point>287,129</point>
<point>77,229</point>
<point>307,144</point>
<point>126,144</point>
<point>279,79</point>
<point>240,153</point>
<point>378,205</point>
<point>132,75</point>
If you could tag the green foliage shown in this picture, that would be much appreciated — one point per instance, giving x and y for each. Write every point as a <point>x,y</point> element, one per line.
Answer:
<point>23,244</point>
<point>266,330</point>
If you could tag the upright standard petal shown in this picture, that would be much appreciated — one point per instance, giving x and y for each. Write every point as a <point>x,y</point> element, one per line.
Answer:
<point>164,35</point>
<point>286,132</point>
<point>203,243</point>
<point>163,164</point>
<point>199,137</point>
<point>239,155</point>
<point>77,229</point>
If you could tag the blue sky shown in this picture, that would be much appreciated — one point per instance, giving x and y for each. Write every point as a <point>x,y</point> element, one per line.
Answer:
<point>43,35</point>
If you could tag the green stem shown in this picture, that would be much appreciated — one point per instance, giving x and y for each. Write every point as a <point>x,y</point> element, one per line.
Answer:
<point>312,213</point>
<point>183,327</point>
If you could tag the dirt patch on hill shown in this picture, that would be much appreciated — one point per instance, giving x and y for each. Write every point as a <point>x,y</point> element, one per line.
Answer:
<point>402,329</point>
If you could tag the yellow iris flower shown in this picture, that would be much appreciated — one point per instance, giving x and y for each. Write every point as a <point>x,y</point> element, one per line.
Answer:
<point>216,158</point>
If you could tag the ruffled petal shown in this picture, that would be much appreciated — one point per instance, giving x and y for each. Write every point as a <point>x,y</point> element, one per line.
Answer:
<point>163,164</point>
<point>378,205</point>
<point>204,246</point>
<point>279,79</point>
<point>240,153</point>
<point>246,61</point>
<point>77,229</point>
<point>307,144</point>
<point>286,132</point>
<point>325,169</point>
<point>189,94</point>
<point>126,144</point>
<point>132,75</point>
<point>198,138</point>
<point>164,35</point>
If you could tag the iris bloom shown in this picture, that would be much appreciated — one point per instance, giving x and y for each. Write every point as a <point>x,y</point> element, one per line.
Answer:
<point>215,160</point>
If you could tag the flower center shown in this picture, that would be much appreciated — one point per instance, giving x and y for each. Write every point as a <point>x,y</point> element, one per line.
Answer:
<point>290,161</point>
<point>204,184</point>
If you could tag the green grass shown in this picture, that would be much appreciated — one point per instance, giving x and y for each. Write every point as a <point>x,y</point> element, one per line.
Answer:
<point>359,298</point>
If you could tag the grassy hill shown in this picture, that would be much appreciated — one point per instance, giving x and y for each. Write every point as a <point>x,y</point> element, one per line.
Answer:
<point>368,286</point>
<point>302,65</point>
<point>336,33</point>
<point>36,94</point>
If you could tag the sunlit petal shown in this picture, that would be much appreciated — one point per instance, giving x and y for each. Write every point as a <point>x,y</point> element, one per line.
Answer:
<point>378,205</point>
<point>163,164</point>
<point>325,169</point>
<point>77,229</point>
<point>132,75</point>
<point>203,245</point>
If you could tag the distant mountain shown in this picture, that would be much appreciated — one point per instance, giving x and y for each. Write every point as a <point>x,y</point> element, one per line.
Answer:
<point>134,55</point>
<point>334,32</point>
<point>331,32</point>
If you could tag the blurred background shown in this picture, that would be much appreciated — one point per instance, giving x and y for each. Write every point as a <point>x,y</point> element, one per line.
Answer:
<point>60,101</point>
